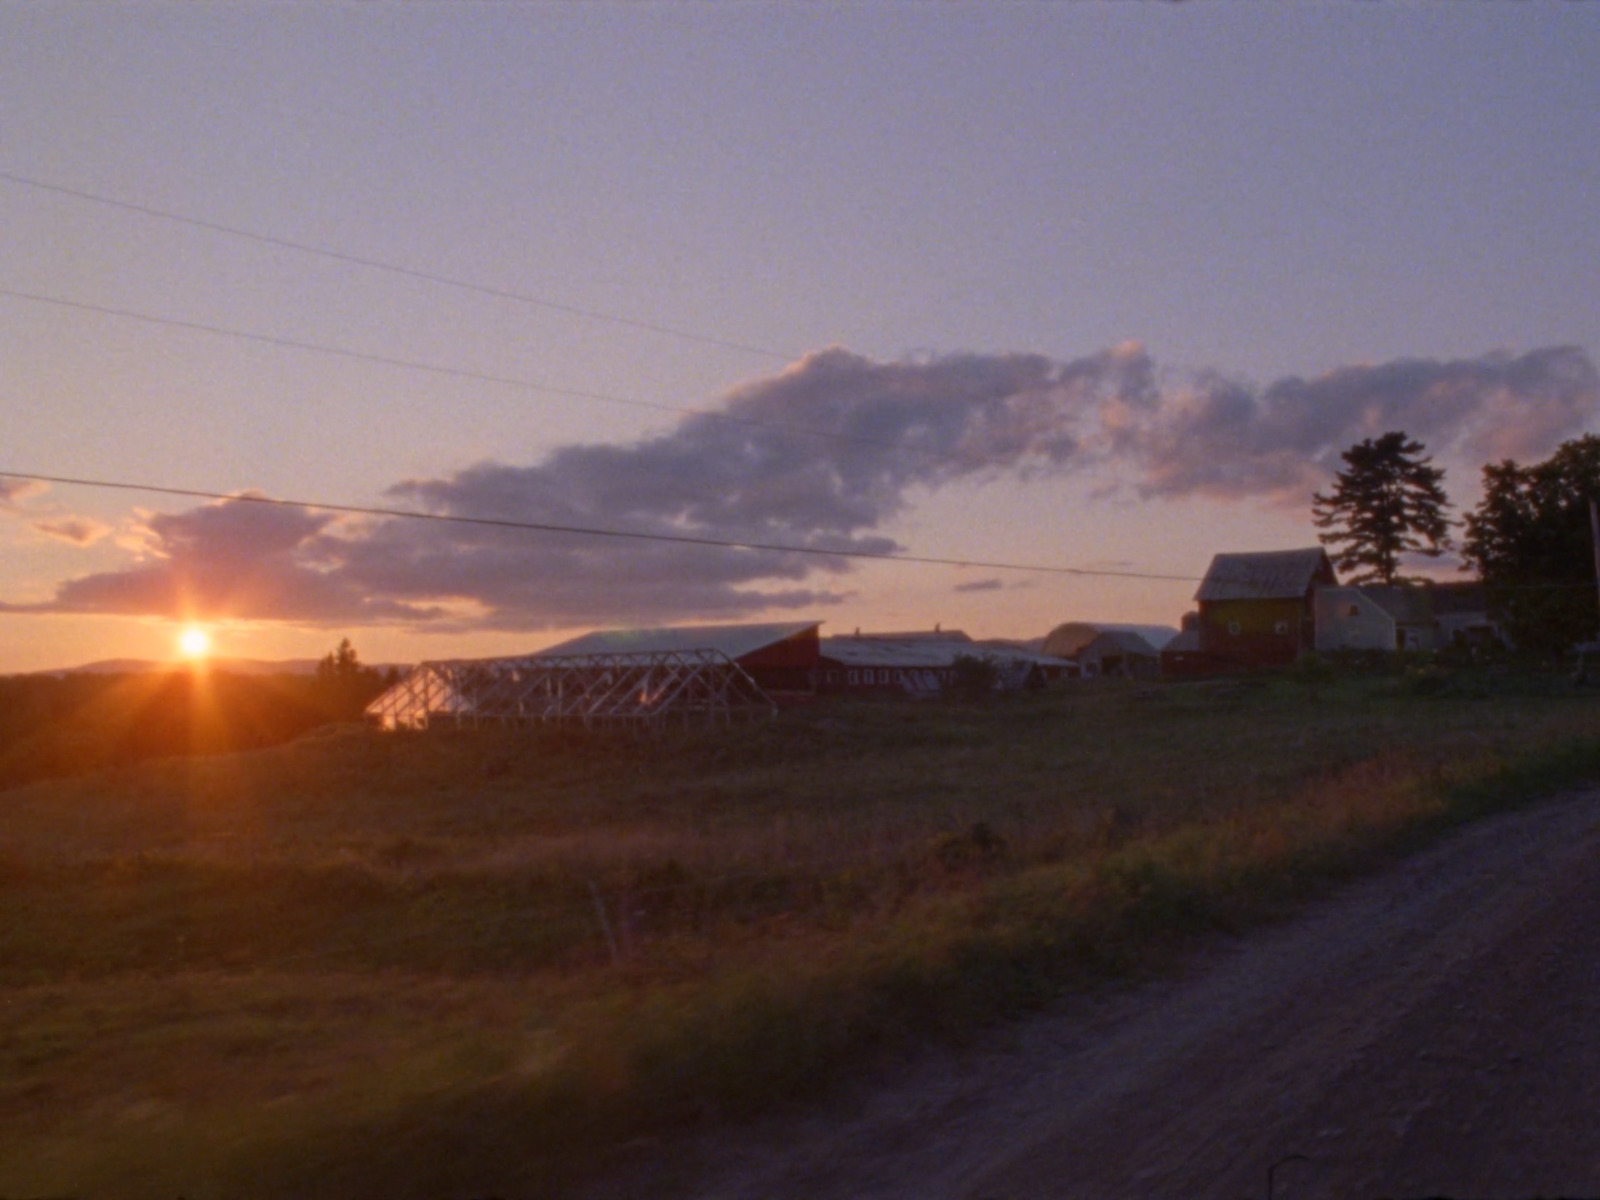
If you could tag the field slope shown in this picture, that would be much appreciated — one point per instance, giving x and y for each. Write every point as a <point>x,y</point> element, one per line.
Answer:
<point>479,963</point>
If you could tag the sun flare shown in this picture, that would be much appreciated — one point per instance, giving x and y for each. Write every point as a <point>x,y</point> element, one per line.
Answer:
<point>194,642</point>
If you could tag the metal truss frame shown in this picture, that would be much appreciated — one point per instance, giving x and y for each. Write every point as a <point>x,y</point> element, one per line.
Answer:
<point>639,691</point>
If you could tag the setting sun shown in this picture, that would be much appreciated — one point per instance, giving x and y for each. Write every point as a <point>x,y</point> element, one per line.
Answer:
<point>194,642</point>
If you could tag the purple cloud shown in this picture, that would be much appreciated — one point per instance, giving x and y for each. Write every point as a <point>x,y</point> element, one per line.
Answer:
<point>234,558</point>
<point>80,531</point>
<point>13,491</point>
<point>819,457</point>
<point>1229,440</point>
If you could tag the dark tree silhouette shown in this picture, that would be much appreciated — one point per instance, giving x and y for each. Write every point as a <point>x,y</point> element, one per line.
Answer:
<point>345,685</point>
<point>1388,501</point>
<point>1530,541</point>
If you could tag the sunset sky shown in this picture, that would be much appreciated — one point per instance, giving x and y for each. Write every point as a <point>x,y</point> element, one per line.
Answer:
<point>1100,286</point>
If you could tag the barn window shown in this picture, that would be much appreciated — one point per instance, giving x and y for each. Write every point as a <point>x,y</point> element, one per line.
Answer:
<point>855,678</point>
<point>1281,628</point>
<point>1233,628</point>
<point>883,675</point>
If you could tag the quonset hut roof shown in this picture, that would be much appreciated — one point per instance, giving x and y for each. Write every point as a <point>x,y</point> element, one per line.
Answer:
<point>1266,575</point>
<point>734,641</point>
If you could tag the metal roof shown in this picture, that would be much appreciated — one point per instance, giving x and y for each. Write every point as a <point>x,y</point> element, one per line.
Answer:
<point>735,641</point>
<point>913,635</point>
<point>1265,575</point>
<point>862,650</point>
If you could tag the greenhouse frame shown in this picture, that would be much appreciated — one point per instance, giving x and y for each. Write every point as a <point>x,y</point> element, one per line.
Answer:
<point>638,691</point>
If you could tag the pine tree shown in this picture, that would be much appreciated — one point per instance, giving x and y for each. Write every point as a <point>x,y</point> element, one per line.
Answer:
<point>1388,501</point>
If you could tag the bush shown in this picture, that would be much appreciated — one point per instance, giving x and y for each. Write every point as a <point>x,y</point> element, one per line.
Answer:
<point>973,677</point>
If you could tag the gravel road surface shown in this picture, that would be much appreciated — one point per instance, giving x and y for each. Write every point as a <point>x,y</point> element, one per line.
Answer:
<point>1431,1031</point>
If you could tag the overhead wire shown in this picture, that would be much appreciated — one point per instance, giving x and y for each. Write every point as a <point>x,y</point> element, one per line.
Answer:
<point>284,342</point>
<point>580,530</point>
<point>511,381</point>
<point>639,535</point>
<point>482,377</point>
<point>394,268</point>
<point>439,369</point>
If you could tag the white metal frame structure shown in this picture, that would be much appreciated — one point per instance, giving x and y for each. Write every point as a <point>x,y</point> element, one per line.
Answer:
<point>640,691</point>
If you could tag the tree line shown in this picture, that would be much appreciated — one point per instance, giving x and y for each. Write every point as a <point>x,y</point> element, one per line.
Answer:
<point>1529,541</point>
<point>53,726</point>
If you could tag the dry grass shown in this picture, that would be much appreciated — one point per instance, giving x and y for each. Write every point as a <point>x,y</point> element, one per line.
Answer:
<point>362,963</point>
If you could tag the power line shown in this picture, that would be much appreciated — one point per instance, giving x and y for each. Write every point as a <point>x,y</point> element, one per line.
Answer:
<point>395,269</point>
<point>268,339</point>
<point>631,535</point>
<point>364,356</point>
<point>481,377</point>
<point>582,530</point>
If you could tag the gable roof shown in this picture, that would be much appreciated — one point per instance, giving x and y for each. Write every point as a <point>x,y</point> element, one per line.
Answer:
<point>1407,605</point>
<point>1187,642</point>
<point>735,641</point>
<point>1265,575</point>
<point>1124,640</point>
<point>1066,641</point>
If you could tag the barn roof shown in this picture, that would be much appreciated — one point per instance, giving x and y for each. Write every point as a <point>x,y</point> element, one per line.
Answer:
<point>1265,575</point>
<point>735,641</point>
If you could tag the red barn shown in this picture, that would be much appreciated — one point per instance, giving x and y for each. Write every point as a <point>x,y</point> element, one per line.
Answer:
<point>1256,609</point>
<point>781,658</point>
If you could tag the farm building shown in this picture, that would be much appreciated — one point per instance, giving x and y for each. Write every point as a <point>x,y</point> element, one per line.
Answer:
<point>1427,616</point>
<point>1068,640</point>
<point>1256,609</point>
<point>631,678</point>
<point>924,663</point>
<point>1183,656</point>
<point>782,658</point>
<point>1118,652</point>
<point>1103,648</point>
<point>1374,618</point>
<point>1461,611</point>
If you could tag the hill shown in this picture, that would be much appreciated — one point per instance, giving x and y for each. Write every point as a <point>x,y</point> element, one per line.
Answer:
<point>232,666</point>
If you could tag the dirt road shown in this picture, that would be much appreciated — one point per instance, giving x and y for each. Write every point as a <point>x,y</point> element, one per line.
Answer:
<point>1433,1031</point>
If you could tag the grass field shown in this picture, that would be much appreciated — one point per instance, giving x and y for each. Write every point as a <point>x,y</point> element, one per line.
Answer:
<point>469,964</point>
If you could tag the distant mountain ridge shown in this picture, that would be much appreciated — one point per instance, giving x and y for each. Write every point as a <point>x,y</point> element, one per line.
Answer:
<point>235,666</point>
